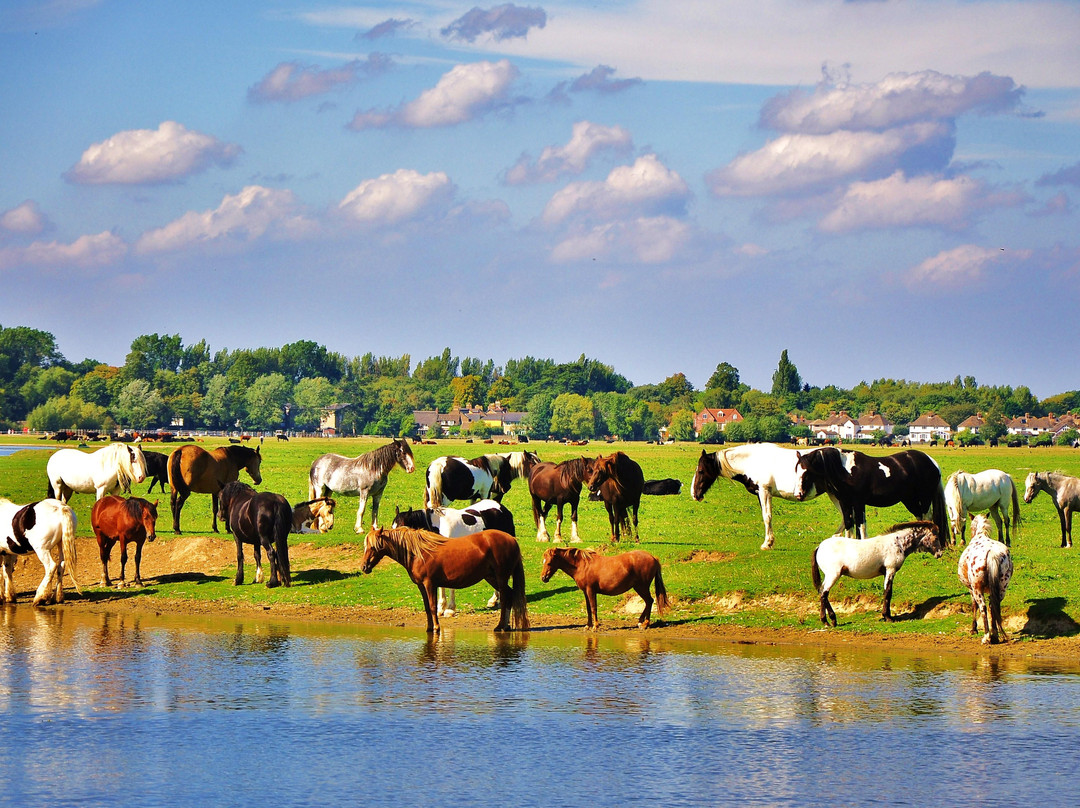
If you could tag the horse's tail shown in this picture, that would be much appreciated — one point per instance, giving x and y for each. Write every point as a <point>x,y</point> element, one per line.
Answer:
<point>954,503</point>
<point>519,617</point>
<point>815,570</point>
<point>282,527</point>
<point>69,547</point>
<point>173,469</point>
<point>1015,507</point>
<point>992,584</point>
<point>661,592</point>
<point>433,489</point>
<point>939,514</point>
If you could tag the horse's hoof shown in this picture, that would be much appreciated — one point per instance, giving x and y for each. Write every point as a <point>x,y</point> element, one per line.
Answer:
<point>575,540</point>
<point>767,545</point>
<point>542,538</point>
<point>643,624</point>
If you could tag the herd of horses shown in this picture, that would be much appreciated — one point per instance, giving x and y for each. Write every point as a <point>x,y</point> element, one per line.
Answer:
<point>444,549</point>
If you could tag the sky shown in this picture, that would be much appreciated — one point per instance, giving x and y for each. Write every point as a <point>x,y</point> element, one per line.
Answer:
<point>884,188</point>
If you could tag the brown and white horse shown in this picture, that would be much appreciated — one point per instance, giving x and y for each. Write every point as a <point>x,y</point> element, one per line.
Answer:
<point>985,568</point>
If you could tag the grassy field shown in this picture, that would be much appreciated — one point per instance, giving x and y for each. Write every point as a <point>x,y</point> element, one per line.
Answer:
<point>713,566</point>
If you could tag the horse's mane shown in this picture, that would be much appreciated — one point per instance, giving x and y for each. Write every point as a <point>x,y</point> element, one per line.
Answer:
<point>580,553</point>
<point>411,541</point>
<point>235,451</point>
<point>908,525</point>
<point>125,475</point>
<point>134,507</point>
<point>382,459</point>
<point>489,463</point>
<point>573,469</point>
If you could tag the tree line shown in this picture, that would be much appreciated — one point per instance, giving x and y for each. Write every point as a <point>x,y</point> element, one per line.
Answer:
<point>163,380</point>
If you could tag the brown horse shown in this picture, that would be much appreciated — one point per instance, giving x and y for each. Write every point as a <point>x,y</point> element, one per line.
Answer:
<point>608,575</point>
<point>116,519</point>
<point>263,520</point>
<point>193,470</point>
<point>551,484</point>
<point>433,561</point>
<point>619,481</point>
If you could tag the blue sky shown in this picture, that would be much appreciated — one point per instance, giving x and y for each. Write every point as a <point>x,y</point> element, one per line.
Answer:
<point>885,188</point>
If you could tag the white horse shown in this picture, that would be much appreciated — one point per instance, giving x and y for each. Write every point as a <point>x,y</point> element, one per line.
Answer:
<point>985,568</point>
<point>38,528</point>
<point>767,470</point>
<point>109,470</point>
<point>364,476</point>
<point>991,490</point>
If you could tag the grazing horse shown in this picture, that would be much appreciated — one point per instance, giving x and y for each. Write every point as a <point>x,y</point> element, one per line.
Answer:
<point>262,520</point>
<point>856,480</point>
<point>110,469</point>
<point>157,470</point>
<point>38,528</point>
<point>115,519</point>
<point>618,480</point>
<point>608,575</point>
<point>487,514</point>
<point>314,516</point>
<point>488,476</point>
<point>364,476</point>
<point>558,485</point>
<point>1063,490</point>
<point>765,469</point>
<point>433,561</point>
<point>985,568</point>
<point>193,470</point>
<point>662,488</point>
<point>991,490</point>
<point>868,558</point>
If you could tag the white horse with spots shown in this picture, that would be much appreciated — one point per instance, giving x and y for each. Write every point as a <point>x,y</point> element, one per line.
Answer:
<point>110,470</point>
<point>985,568</point>
<point>992,490</point>
<point>39,528</point>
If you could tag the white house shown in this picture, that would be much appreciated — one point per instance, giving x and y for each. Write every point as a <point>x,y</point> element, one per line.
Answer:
<point>928,427</point>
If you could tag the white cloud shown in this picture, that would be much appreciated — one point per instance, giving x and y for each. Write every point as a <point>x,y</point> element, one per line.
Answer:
<point>645,240</point>
<point>292,81</point>
<point>645,188</point>
<point>956,266</point>
<point>25,219</point>
<point>85,252</point>
<point>393,198</point>
<point>240,218</point>
<point>145,156</point>
<point>572,159</point>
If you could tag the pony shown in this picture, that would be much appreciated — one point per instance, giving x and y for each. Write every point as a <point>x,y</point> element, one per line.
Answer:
<point>765,469</point>
<point>661,488</point>
<point>433,561</point>
<point>364,476</point>
<point>38,528</point>
<point>856,480</point>
<point>314,516</point>
<point>487,514</point>
<point>991,490</point>
<point>488,476</point>
<point>193,470</point>
<point>110,469</point>
<point>263,520</point>
<point>608,575</point>
<point>558,485</point>
<point>115,519</point>
<point>985,568</point>
<point>619,481</point>
<point>1063,490</point>
<point>868,558</point>
<point>157,470</point>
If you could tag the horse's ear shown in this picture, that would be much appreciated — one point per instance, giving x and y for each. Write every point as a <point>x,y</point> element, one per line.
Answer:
<point>257,448</point>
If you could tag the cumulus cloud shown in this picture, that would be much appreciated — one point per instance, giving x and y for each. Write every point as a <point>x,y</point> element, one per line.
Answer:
<point>502,22</point>
<point>586,141</point>
<point>387,28</point>
<point>240,218</point>
<point>643,240</point>
<point>957,266</point>
<point>24,220</point>
<point>148,156</point>
<point>1070,175</point>
<point>466,92</point>
<point>85,252</point>
<point>292,81</point>
<point>395,198</point>
<point>646,188</point>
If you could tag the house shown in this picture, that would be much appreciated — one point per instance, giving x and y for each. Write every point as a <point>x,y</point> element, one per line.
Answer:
<point>330,420</point>
<point>973,423</point>
<point>927,427</point>
<point>495,416</point>
<point>721,417</point>
<point>1031,426</point>
<point>426,420</point>
<point>873,422</point>
<point>838,425</point>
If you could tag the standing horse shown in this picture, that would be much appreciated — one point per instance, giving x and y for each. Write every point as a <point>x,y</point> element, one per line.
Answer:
<point>487,514</point>
<point>314,516</point>
<point>115,519</point>
<point>1063,490</point>
<point>433,561</point>
<point>991,490</point>
<point>38,528</point>
<point>260,519</point>
<point>868,558</point>
<point>157,470</point>
<point>619,481</point>
<point>608,575</point>
<point>364,476</point>
<point>985,568</point>
<point>110,469</point>
<point>558,485</point>
<point>765,469</point>
<point>856,480</point>
<point>193,470</point>
<point>488,476</point>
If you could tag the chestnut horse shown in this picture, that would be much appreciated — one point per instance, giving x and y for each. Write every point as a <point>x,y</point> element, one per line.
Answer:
<point>558,485</point>
<point>619,481</point>
<point>115,519</point>
<point>263,520</point>
<point>608,575</point>
<point>433,561</point>
<point>193,470</point>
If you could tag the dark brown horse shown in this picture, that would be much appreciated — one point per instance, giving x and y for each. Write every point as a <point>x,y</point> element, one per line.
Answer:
<point>157,470</point>
<point>619,481</point>
<point>596,574</point>
<point>115,519</point>
<point>262,520</point>
<point>193,470</point>
<point>433,561</point>
<point>558,485</point>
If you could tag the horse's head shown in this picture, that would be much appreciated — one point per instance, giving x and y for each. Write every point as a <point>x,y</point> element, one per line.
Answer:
<point>405,455</point>
<point>805,474</point>
<point>149,520</point>
<point>374,549</point>
<point>548,569</point>
<point>601,470</point>
<point>930,541</point>
<point>980,526</point>
<point>708,469</point>
<point>1031,487</point>
<point>529,461</point>
<point>323,515</point>
<point>137,461</point>
<point>254,466</point>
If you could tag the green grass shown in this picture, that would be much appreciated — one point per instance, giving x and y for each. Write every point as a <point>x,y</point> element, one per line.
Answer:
<point>729,581</point>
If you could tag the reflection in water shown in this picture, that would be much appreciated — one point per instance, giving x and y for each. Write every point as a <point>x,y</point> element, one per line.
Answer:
<point>193,709</point>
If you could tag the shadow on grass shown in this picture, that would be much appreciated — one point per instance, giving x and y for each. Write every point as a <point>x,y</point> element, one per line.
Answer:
<point>321,576</point>
<point>1046,617</point>
<point>921,610</point>
<point>536,597</point>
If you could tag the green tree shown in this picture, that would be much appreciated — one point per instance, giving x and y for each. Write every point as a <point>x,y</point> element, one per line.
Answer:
<point>711,433</point>
<point>572,416</point>
<point>266,399</point>
<point>468,390</point>
<point>64,412</point>
<point>537,421</point>
<point>681,425</point>
<point>139,406</point>
<point>786,379</point>
<point>219,406</point>
<point>309,397</point>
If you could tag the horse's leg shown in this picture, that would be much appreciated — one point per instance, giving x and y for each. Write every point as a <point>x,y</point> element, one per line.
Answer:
<point>558,521</point>
<point>123,561</point>
<point>637,535</point>
<point>7,587</point>
<point>612,516</point>
<point>886,607</point>
<point>138,563</point>
<point>643,592</point>
<point>995,512</point>
<point>1068,524</point>
<point>765,498</point>
<point>274,562</point>
<point>46,590</point>
<point>974,614</point>
<point>239,579</point>
<point>375,498</point>
<point>590,607</point>
<point>826,607</point>
<point>541,521</point>
<point>213,513</point>
<point>427,594</point>
<point>358,527</point>
<point>1066,527</point>
<point>574,537</point>
<point>176,501</point>
<point>447,603</point>
<point>257,550</point>
<point>104,551</point>
<point>860,520</point>
<point>506,599</point>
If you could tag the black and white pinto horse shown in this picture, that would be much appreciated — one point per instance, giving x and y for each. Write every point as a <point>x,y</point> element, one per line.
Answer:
<point>487,514</point>
<point>855,480</point>
<point>364,476</point>
<point>39,528</point>
<point>485,477</point>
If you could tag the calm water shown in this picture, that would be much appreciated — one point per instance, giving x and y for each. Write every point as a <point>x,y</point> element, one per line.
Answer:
<point>9,449</point>
<point>143,710</point>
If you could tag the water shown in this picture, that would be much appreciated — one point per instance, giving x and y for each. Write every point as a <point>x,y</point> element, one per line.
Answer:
<point>9,449</point>
<point>146,710</point>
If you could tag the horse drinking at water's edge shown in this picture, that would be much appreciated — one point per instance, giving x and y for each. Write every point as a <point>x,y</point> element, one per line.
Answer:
<point>991,490</point>
<point>364,476</point>
<point>115,519</point>
<point>110,469</point>
<point>608,575</point>
<point>1063,490</point>
<point>985,568</point>
<point>39,528</point>
<point>263,520</point>
<point>193,470</point>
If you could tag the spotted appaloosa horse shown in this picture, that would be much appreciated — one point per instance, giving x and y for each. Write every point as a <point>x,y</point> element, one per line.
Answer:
<point>985,568</point>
